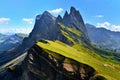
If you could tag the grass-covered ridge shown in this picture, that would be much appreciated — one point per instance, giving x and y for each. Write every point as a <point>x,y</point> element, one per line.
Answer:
<point>105,65</point>
<point>107,69</point>
<point>71,34</point>
<point>76,32</point>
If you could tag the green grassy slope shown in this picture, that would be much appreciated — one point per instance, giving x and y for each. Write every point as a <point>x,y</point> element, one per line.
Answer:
<point>83,53</point>
<point>105,68</point>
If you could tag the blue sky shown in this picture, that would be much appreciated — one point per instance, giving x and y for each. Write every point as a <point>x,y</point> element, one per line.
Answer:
<point>19,15</point>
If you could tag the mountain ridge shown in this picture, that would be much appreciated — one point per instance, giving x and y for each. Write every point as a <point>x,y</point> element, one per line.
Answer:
<point>107,39</point>
<point>46,24</point>
<point>11,41</point>
<point>59,49</point>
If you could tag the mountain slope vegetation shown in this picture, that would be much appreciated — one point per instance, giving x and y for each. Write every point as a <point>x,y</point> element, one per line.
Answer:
<point>85,54</point>
<point>59,49</point>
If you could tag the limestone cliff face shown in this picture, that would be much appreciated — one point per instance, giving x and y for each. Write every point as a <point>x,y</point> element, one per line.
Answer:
<point>46,27</point>
<point>43,26</point>
<point>40,65</point>
<point>75,21</point>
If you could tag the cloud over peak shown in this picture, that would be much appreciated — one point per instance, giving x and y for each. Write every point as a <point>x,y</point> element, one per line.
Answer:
<point>56,11</point>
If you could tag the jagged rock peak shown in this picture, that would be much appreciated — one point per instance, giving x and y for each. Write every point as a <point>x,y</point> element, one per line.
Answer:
<point>75,13</point>
<point>75,21</point>
<point>44,15</point>
<point>38,17</point>
<point>59,18</point>
<point>66,14</point>
<point>72,10</point>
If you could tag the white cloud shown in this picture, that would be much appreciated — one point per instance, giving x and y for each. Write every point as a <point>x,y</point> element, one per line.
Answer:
<point>104,24</point>
<point>28,20</point>
<point>56,11</point>
<point>4,20</point>
<point>15,30</point>
<point>115,28</point>
<point>99,16</point>
<point>109,26</point>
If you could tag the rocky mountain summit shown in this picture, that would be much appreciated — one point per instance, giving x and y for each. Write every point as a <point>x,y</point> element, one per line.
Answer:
<point>46,26</point>
<point>54,49</point>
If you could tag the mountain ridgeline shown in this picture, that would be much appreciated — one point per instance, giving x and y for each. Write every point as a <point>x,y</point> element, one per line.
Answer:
<point>58,49</point>
<point>47,27</point>
<point>9,42</point>
<point>107,39</point>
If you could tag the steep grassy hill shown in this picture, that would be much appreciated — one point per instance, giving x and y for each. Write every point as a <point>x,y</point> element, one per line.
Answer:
<point>59,49</point>
<point>104,65</point>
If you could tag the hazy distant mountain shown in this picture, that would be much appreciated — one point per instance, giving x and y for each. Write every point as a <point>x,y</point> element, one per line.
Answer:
<point>8,42</point>
<point>103,37</point>
<point>3,37</point>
